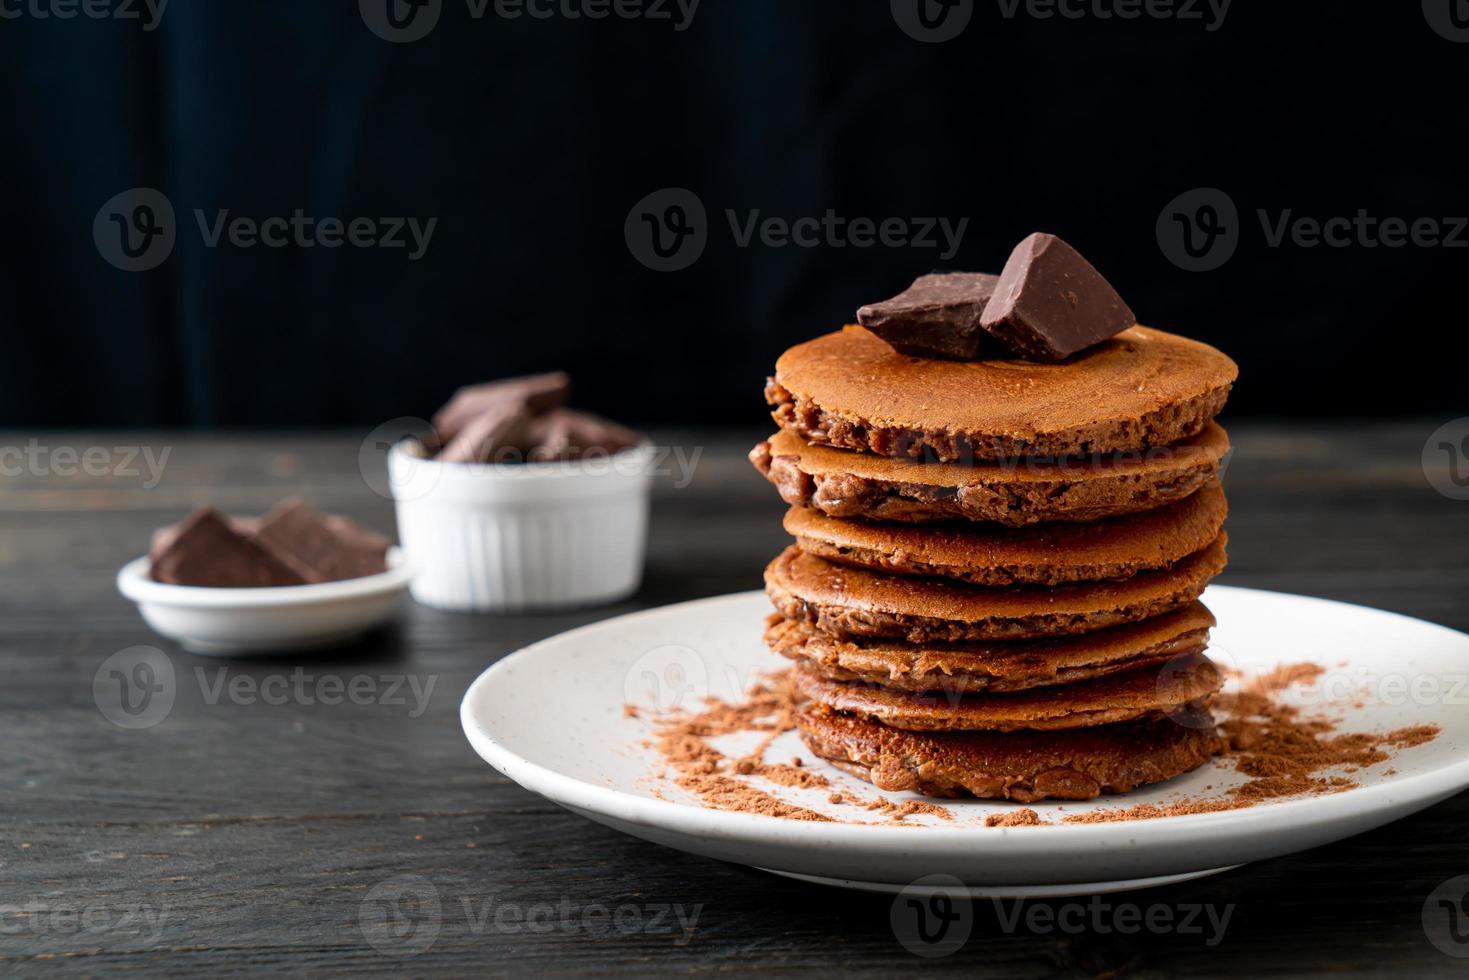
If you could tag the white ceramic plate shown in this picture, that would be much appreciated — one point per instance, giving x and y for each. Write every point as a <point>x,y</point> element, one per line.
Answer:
<point>552,718</point>
<point>273,620</point>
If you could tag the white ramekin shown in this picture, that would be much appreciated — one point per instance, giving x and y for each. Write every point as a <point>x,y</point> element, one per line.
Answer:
<point>502,537</point>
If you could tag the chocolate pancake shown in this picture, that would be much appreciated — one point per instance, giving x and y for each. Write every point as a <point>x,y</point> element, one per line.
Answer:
<point>1015,493</point>
<point>1140,389</point>
<point>1042,554</point>
<point>854,602</point>
<point>1143,693</point>
<point>1023,766</point>
<point>994,667</point>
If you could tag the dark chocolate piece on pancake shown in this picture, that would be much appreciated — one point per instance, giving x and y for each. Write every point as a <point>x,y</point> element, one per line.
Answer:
<point>1139,389</point>
<point>1050,302</point>
<point>993,667</point>
<point>1022,766</point>
<point>1014,493</point>
<point>937,316</point>
<point>1042,554</point>
<point>845,601</point>
<point>1148,692</point>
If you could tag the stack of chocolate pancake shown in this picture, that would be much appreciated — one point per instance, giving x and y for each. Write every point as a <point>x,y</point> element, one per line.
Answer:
<point>994,585</point>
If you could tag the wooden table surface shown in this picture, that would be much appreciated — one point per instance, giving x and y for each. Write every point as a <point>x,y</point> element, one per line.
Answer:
<point>238,836</point>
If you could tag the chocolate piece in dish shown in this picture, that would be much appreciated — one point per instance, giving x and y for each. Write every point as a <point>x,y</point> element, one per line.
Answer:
<point>498,434</point>
<point>565,433</point>
<point>937,316</point>
<point>205,550</point>
<point>1050,302</point>
<point>531,394</point>
<point>321,547</point>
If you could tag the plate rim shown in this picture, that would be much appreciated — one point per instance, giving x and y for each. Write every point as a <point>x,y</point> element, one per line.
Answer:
<point>1425,788</point>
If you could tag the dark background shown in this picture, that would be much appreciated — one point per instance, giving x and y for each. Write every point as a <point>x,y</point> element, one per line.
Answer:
<point>530,141</point>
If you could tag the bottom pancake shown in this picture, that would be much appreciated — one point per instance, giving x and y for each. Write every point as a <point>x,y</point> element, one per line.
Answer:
<point>1148,692</point>
<point>1021,766</point>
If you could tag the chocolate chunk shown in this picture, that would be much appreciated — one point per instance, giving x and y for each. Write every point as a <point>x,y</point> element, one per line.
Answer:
<point>498,434</point>
<point>532,394</point>
<point>206,550</point>
<point>937,316</point>
<point>564,433</point>
<point>1050,302</point>
<point>321,547</point>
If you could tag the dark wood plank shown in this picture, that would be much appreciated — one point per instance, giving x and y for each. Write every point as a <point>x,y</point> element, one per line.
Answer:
<point>240,838</point>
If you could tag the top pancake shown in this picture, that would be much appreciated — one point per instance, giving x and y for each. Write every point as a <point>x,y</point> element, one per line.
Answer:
<point>1142,388</point>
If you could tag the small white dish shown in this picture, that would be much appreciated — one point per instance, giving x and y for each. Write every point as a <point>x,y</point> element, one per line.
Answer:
<point>552,718</point>
<point>269,620</point>
<point>507,537</point>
